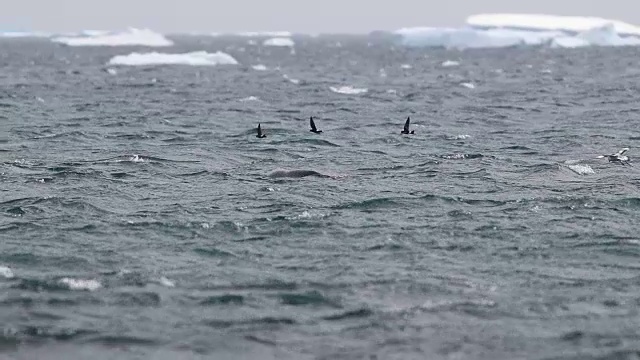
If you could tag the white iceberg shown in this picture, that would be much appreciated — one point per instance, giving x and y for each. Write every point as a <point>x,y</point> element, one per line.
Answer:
<point>283,34</point>
<point>508,30</point>
<point>539,22</point>
<point>24,34</point>
<point>464,38</point>
<point>198,58</point>
<point>131,37</point>
<point>279,41</point>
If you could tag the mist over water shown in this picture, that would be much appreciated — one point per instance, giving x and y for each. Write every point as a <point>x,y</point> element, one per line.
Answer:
<point>138,217</point>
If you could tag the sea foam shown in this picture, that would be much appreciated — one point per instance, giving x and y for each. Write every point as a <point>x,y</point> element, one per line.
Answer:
<point>198,58</point>
<point>131,37</point>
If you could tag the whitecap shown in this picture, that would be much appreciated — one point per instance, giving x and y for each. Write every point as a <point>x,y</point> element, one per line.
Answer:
<point>460,137</point>
<point>81,284</point>
<point>581,169</point>
<point>450,63</point>
<point>6,272</point>
<point>259,67</point>
<point>166,282</point>
<point>348,90</point>
<point>250,98</point>
<point>468,85</point>
<point>293,81</point>
<point>307,215</point>
<point>406,66</point>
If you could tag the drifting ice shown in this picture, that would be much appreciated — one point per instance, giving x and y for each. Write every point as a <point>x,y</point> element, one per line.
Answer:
<point>198,58</point>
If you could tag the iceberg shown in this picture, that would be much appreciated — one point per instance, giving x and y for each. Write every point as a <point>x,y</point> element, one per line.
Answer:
<point>198,58</point>
<point>279,41</point>
<point>537,22</point>
<point>283,34</point>
<point>464,38</point>
<point>509,30</point>
<point>24,34</point>
<point>131,37</point>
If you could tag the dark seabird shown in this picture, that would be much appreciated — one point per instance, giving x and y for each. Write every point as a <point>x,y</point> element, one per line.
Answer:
<point>406,127</point>
<point>618,157</point>
<point>260,134</point>
<point>313,126</point>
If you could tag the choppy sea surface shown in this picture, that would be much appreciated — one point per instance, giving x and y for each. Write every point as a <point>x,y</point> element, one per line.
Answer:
<point>139,220</point>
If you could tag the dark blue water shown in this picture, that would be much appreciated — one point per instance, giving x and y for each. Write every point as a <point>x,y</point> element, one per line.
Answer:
<point>138,219</point>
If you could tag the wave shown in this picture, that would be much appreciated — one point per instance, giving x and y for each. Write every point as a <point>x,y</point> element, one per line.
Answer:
<point>197,58</point>
<point>131,37</point>
<point>497,31</point>
<point>279,41</point>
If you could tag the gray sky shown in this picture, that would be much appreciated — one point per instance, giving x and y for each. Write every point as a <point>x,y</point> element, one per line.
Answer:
<point>309,16</point>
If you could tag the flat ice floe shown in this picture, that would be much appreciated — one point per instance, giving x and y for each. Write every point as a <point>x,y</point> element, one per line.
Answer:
<point>198,58</point>
<point>348,90</point>
<point>131,37</point>
<point>279,41</point>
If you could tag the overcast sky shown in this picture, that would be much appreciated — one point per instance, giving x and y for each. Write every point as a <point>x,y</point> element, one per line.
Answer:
<point>308,16</point>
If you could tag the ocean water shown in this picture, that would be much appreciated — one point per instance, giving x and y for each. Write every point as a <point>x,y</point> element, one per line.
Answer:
<point>138,219</point>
